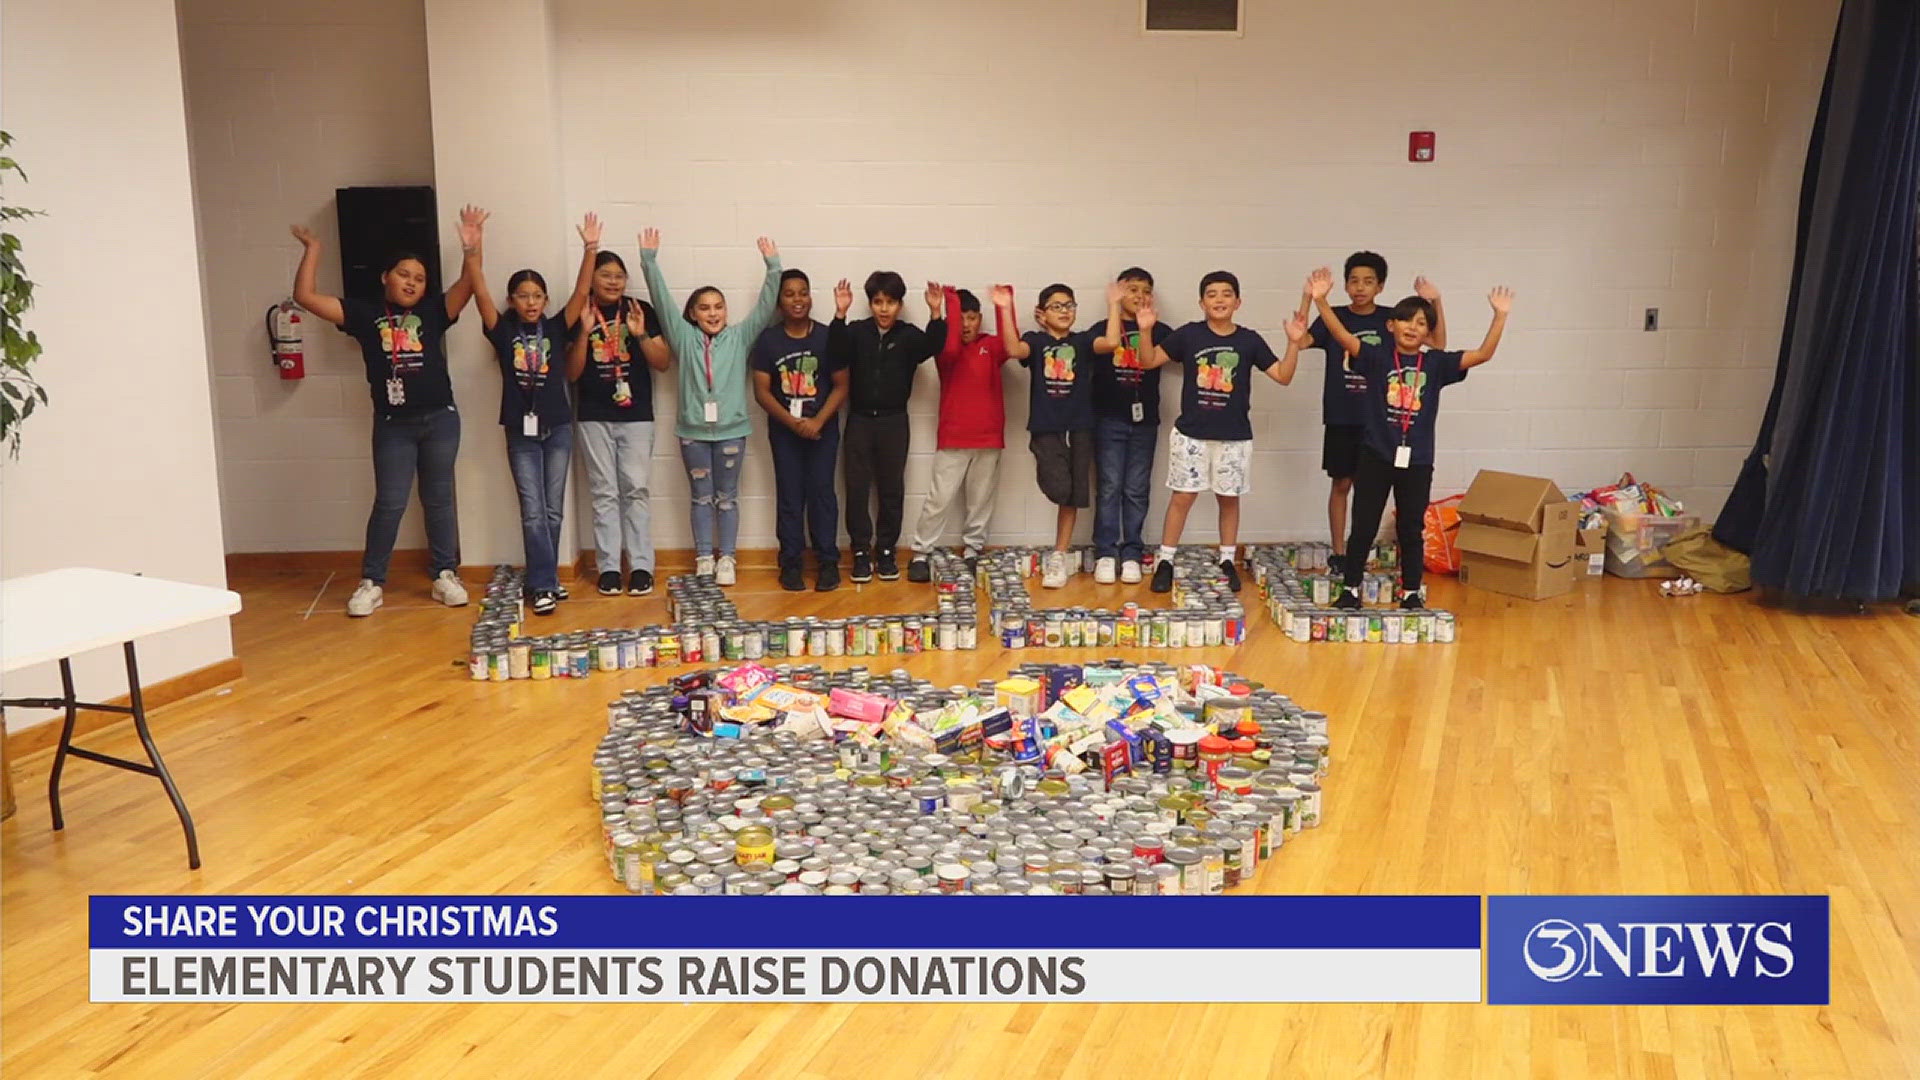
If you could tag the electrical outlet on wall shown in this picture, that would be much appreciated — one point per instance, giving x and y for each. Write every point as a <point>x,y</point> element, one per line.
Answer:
<point>1653,318</point>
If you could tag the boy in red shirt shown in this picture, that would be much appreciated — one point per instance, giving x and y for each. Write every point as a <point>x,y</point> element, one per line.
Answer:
<point>973,419</point>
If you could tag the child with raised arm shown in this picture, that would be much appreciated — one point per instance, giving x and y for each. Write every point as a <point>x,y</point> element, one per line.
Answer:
<point>798,383</point>
<point>1126,419</point>
<point>1059,409</point>
<point>1211,444</point>
<point>881,354</point>
<point>713,423</point>
<point>531,347</point>
<point>416,429</point>
<point>973,420</point>
<point>611,365</point>
<point>1403,382</point>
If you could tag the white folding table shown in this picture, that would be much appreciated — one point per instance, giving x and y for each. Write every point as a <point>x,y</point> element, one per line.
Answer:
<point>63,613</point>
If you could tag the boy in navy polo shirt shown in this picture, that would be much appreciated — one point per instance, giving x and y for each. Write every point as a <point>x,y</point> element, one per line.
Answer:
<point>1060,409</point>
<point>1126,418</point>
<point>1342,406</point>
<point>1211,445</point>
<point>1402,400</point>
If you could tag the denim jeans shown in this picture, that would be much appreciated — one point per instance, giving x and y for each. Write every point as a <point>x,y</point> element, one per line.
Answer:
<point>405,447</point>
<point>540,476</point>
<point>1123,457</point>
<point>713,475</point>
<point>804,499</point>
<point>619,461</point>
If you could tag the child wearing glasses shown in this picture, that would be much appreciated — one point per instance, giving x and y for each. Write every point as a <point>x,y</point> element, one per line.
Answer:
<point>1059,411</point>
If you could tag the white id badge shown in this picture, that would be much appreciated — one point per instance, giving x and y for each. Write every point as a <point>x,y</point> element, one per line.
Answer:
<point>530,425</point>
<point>798,407</point>
<point>1403,457</point>
<point>396,391</point>
<point>712,411</point>
<point>1139,412</point>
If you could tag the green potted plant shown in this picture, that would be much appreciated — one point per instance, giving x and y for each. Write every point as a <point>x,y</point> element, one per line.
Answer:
<point>20,394</point>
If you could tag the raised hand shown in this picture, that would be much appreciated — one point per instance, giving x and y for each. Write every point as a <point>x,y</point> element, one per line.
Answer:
<point>1003,296</point>
<point>842,298</point>
<point>768,249</point>
<point>1501,298</point>
<point>1297,331</point>
<point>650,240</point>
<point>589,230</point>
<point>473,221</point>
<point>1147,317</point>
<point>304,235</point>
<point>1319,284</point>
<point>936,297</point>
<point>636,319</point>
<point>1426,290</point>
<point>1115,292</point>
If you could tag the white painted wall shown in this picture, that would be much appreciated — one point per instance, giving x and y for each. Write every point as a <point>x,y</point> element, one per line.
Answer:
<point>117,471</point>
<point>1600,158</point>
<point>288,101</point>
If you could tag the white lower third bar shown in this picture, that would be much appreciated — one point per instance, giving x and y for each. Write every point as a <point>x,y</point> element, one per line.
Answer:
<point>933,975</point>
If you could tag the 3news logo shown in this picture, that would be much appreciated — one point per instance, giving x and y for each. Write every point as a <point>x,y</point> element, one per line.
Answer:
<point>1657,950</point>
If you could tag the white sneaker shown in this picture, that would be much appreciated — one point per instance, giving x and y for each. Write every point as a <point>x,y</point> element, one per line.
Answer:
<point>448,589</point>
<point>1130,572</point>
<point>723,570</point>
<point>1103,571</point>
<point>365,598</point>
<point>703,565</point>
<point>1054,570</point>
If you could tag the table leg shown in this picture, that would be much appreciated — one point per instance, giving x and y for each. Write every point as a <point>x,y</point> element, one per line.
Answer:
<point>66,743</point>
<point>153,755</point>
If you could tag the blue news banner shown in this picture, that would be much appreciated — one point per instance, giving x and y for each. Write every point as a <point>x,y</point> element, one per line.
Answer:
<point>619,948</point>
<point>1539,950</point>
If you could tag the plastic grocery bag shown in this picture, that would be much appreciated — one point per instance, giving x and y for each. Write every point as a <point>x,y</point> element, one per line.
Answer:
<point>1706,560</point>
<point>1441,527</point>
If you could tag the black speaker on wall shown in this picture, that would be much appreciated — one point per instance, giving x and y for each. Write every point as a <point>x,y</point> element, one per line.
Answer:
<point>377,223</point>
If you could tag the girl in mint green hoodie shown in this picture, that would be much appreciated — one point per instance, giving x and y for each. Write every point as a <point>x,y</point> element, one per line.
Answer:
<point>713,421</point>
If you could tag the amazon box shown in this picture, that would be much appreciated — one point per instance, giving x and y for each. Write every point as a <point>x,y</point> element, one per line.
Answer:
<point>1517,536</point>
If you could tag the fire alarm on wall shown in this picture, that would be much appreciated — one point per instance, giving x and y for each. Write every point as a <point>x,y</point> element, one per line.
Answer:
<point>1420,146</point>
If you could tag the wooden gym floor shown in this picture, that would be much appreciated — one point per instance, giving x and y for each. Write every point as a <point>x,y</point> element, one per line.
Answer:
<point>1609,741</point>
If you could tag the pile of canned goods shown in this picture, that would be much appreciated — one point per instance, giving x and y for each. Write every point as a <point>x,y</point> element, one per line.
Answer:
<point>1301,607</point>
<point>706,629</point>
<point>1204,612</point>
<point>776,812</point>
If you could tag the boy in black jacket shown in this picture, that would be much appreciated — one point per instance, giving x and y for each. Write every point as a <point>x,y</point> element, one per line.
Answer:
<point>881,355</point>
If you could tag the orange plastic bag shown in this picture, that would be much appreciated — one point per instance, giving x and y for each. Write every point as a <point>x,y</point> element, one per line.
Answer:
<point>1442,525</point>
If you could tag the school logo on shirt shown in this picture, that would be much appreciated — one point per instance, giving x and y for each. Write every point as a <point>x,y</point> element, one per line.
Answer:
<point>799,375</point>
<point>1404,388</point>
<point>1057,367</point>
<point>527,364</point>
<point>1126,359</point>
<point>401,340</point>
<point>1214,370</point>
<point>604,347</point>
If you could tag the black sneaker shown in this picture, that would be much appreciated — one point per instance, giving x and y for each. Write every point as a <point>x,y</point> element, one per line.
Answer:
<point>1337,565</point>
<point>1163,576</point>
<point>919,571</point>
<point>545,603</point>
<point>641,583</point>
<point>973,563</point>
<point>1348,600</point>
<point>829,578</point>
<point>862,568</point>
<point>610,583</point>
<point>791,579</point>
<point>1413,600</point>
<point>1233,574</point>
<point>888,569</point>
<point>561,593</point>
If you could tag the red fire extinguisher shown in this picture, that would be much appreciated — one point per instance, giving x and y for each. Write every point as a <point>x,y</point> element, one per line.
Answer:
<point>283,334</point>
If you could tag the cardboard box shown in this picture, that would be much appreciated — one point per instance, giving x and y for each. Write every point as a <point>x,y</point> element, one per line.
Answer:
<point>1590,552</point>
<point>1517,536</point>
